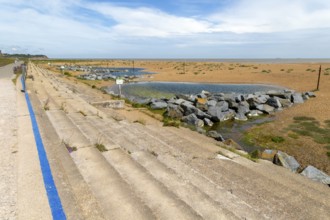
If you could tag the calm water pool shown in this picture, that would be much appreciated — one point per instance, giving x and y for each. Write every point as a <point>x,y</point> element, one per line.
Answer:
<point>150,89</point>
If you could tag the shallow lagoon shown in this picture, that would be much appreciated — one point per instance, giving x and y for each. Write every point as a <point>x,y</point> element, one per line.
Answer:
<point>168,89</point>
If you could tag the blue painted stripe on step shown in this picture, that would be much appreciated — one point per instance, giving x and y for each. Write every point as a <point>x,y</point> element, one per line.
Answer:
<point>52,194</point>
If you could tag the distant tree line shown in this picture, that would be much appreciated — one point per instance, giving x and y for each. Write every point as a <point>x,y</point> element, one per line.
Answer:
<point>16,55</point>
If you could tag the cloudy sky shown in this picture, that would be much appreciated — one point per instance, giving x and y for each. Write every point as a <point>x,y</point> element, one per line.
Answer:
<point>166,28</point>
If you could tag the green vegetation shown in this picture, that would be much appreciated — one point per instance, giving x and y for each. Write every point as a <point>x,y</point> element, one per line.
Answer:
<point>277,139</point>
<point>310,70</point>
<point>169,122</point>
<point>308,126</point>
<point>25,56</point>
<point>266,71</point>
<point>293,135</point>
<point>255,154</point>
<point>242,65</point>
<point>140,121</point>
<point>327,72</point>
<point>67,74</point>
<point>68,147</point>
<point>83,113</point>
<point>289,70</point>
<point>303,118</point>
<point>5,61</point>
<point>46,105</point>
<point>101,147</point>
<point>247,156</point>
<point>257,137</point>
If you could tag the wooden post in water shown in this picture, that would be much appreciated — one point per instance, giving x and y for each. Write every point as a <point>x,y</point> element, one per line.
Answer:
<point>133,67</point>
<point>318,80</point>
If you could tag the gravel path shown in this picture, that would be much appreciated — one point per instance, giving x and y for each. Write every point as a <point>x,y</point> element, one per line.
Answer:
<point>8,146</point>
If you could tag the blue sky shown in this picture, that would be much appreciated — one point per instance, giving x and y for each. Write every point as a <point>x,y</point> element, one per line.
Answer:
<point>166,29</point>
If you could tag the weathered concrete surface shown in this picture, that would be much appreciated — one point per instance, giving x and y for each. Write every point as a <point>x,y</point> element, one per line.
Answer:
<point>8,145</point>
<point>21,180</point>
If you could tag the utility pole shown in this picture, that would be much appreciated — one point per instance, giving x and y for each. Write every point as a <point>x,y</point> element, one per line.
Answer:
<point>184,66</point>
<point>318,80</point>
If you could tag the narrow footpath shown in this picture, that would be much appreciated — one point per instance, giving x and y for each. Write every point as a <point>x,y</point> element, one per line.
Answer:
<point>8,145</point>
<point>22,191</point>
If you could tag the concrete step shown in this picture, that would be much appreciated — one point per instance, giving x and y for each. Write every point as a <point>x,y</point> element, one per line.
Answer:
<point>113,193</point>
<point>174,148</point>
<point>256,181</point>
<point>277,178</point>
<point>198,200</point>
<point>273,192</point>
<point>139,139</point>
<point>164,203</point>
<point>111,199</point>
<point>67,131</point>
<point>95,136</point>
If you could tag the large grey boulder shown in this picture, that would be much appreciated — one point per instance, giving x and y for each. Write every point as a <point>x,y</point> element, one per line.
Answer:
<point>316,175</point>
<point>200,114</point>
<point>208,122</point>
<point>223,105</point>
<point>243,107</point>
<point>217,96</point>
<point>274,102</point>
<point>193,120</point>
<point>262,99</point>
<point>174,111</point>
<point>179,101</point>
<point>286,103</point>
<point>265,108</point>
<point>188,108</point>
<point>214,134</point>
<point>286,161</point>
<point>254,113</point>
<point>211,103</point>
<point>143,101</point>
<point>239,98</point>
<point>297,98</point>
<point>276,93</point>
<point>229,97</point>
<point>158,105</point>
<point>217,114</point>
<point>257,100</point>
<point>310,94</point>
<point>233,105</point>
<point>240,117</point>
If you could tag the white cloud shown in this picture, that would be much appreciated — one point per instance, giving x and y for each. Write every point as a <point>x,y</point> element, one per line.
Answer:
<point>254,16</point>
<point>150,22</point>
